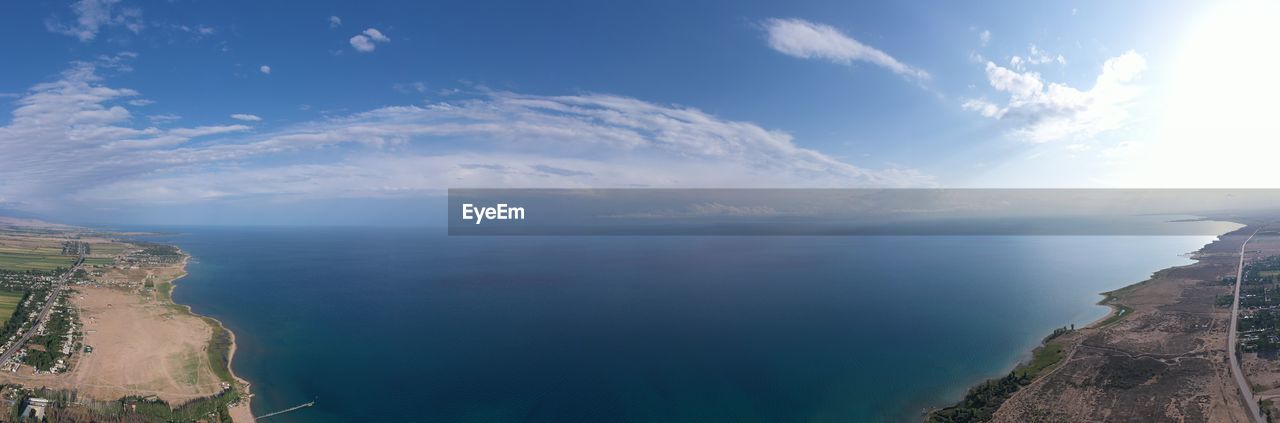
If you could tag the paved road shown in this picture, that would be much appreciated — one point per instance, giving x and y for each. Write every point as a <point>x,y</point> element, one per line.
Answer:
<point>44,312</point>
<point>1245,391</point>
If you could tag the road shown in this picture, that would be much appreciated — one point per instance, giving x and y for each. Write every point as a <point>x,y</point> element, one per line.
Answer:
<point>56,289</point>
<point>1245,391</point>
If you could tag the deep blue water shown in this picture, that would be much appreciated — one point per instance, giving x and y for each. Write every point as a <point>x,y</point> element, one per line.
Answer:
<point>403,325</point>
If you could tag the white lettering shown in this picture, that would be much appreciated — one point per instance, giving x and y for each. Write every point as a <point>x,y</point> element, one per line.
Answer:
<point>466,211</point>
<point>500,212</point>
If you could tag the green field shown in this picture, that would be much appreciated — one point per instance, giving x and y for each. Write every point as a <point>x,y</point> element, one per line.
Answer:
<point>8,303</point>
<point>1269,273</point>
<point>1121,312</point>
<point>107,248</point>
<point>1043,357</point>
<point>219,351</point>
<point>41,259</point>
<point>98,261</point>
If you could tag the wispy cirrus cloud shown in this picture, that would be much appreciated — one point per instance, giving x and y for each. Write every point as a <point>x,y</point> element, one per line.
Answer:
<point>74,141</point>
<point>1035,56</point>
<point>808,40</point>
<point>92,16</point>
<point>59,127</point>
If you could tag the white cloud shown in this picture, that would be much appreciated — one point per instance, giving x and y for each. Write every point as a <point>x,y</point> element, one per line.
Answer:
<point>362,44</point>
<point>365,41</point>
<point>984,37</point>
<point>162,118</point>
<point>141,102</point>
<point>982,106</point>
<point>1036,56</point>
<point>1053,111</point>
<point>203,131</point>
<point>246,117</point>
<point>94,15</point>
<point>118,62</point>
<point>199,30</point>
<point>376,35</point>
<point>412,87</point>
<point>70,143</point>
<point>335,22</point>
<point>808,40</point>
<point>59,127</point>
<point>265,69</point>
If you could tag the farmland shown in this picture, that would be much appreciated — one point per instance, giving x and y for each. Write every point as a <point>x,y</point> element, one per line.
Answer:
<point>107,249</point>
<point>8,303</point>
<point>103,254</point>
<point>42,258</point>
<point>98,261</point>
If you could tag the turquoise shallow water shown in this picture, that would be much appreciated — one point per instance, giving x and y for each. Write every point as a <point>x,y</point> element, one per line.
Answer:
<point>411,325</point>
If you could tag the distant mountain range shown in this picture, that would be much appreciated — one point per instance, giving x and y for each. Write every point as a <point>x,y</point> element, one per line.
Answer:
<point>29,223</point>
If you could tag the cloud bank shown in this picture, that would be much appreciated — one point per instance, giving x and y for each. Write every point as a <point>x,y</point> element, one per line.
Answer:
<point>73,141</point>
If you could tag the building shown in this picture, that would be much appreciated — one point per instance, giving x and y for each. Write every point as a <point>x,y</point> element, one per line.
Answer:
<point>35,408</point>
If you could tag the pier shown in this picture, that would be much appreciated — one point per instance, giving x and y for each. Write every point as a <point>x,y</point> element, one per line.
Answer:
<point>294,408</point>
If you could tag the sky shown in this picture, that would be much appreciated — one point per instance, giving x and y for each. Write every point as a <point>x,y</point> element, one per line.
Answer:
<point>324,112</point>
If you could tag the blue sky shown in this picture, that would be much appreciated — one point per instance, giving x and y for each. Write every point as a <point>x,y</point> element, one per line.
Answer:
<point>341,112</point>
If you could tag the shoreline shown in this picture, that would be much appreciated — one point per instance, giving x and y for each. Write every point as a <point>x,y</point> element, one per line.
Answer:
<point>1116,312</point>
<point>243,384</point>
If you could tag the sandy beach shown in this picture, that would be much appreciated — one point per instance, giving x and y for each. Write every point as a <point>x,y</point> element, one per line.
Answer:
<point>242,411</point>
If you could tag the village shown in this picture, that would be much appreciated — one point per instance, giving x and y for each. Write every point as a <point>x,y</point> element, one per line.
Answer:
<point>58,290</point>
<point>1259,325</point>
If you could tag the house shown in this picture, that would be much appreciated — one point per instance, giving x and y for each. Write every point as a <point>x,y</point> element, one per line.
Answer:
<point>35,408</point>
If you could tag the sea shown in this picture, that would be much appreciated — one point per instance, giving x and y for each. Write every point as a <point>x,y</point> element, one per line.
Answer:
<point>412,325</point>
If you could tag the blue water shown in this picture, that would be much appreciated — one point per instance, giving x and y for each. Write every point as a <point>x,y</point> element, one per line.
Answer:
<point>407,325</point>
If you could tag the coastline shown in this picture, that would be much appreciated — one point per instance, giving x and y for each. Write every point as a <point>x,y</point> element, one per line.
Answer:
<point>142,350</point>
<point>242,411</point>
<point>1115,314</point>
<point>1116,310</point>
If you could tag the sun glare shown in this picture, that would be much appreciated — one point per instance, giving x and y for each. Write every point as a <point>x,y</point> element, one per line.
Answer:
<point>1217,125</point>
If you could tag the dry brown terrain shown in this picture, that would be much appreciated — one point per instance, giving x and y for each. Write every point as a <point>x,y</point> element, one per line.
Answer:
<point>142,343</point>
<point>1165,360</point>
<point>1264,375</point>
<point>140,347</point>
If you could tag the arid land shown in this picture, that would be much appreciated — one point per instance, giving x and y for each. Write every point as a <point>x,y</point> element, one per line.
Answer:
<point>130,353</point>
<point>1161,355</point>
